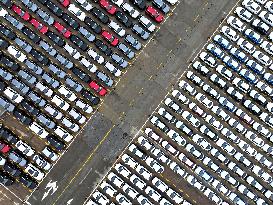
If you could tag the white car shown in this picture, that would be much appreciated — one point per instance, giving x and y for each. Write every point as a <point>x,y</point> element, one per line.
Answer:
<point>84,106</point>
<point>262,58</point>
<point>108,189</point>
<point>143,200</point>
<point>183,158</point>
<point>230,33</point>
<point>251,106</point>
<point>267,17</point>
<point>252,6</point>
<point>67,93</point>
<point>129,161</point>
<point>201,142</point>
<point>57,100</point>
<point>3,12</point>
<point>162,111</point>
<point>174,196</point>
<point>201,68</point>
<point>194,78</point>
<point>72,51</point>
<point>158,123</point>
<point>190,118</point>
<point>204,100</point>
<point>217,81</point>
<point>53,112</point>
<point>233,167</point>
<point>175,107</point>
<point>212,92</point>
<point>41,162</point>
<point>13,95</point>
<point>169,148</point>
<point>147,23</point>
<point>152,193</point>
<point>236,23</point>
<point>253,182</point>
<point>77,116</point>
<point>264,161</point>
<point>226,132</point>
<point>244,116</point>
<point>269,6</point>
<point>254,138</point>
<point>25,148</point>
<point>130,10</point>
<point>238,156</point>
<point>150,133</point>
<point>38,130</point>
<point>226,146</point>
<point>208,59</point>
<point>100,198</point>
<point>212,196</point>
<point>247,148</point>
<point>267,46</point>
<point>76,11</point>
<point>137,182</point>
<point>122,200</point>
<point>122,170</point>
<point>145,143</point>
<point>246,45</point>
<point>34,172</point>
<point>110,67</point>
<point>217,154</point>
<point>133,148</point>
<point>117,181</point>
<point>159,184</point>
<point>172,2</point>
<point>244,14</point>
<point>215,123</point>
<point>261,26</point>
<point>17,54</point>
<point>117,28</point>
<point>50,154</point>
<point>222,42</point>
<point>186,86</point>
<point>63,134</point>
<point>194,182</point>
<point>241,84</point>
<point>44,89</point>
<point>220,113</point>
<point>261,129</point>
<point>118,2</point>
<point>70,125</point>
<point>131,192</point>
<point>182,98</point>
<point>262,174</point>
<point>151,162</point>
<point>195,108</point>
<point>95,56</point>
<point>85,4</point>
<point>237,125</point>
<point>90,66</point>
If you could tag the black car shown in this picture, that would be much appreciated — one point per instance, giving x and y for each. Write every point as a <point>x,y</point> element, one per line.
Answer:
<point>7,3</point>
<point>78,42</point>
<point>55,38</point>
<point>9,63</point>
<point>40,57</point>
<point>8,136</point>
<point>31,35</point>
<point>141,4</point>
<point>93,25</point>
<point>3,85</point>
<point>3,44</point>
<point>123,18</point>
<point>28,182</point>
<point>103,47</point>
<point>12,169</point>
<point>29,108</point>
<point>70,21</point>
<point>55,143</point>
<point>43,1</point>
<point>100,15</point>
<point>22,117</point>
<point>80,74</point>
<point>89,96</point>
<point>8,33</point>
<point>54,8</point>
<point>5,179</point>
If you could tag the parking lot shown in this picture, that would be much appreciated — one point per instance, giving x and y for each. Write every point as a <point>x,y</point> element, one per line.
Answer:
<point>74,91</point>
<point>213,130</point>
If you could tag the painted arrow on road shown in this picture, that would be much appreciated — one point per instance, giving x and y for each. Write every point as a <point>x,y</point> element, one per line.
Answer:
<point>52,187</point>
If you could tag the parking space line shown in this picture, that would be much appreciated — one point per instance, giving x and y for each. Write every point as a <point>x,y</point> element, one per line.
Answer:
<point>196,18</point>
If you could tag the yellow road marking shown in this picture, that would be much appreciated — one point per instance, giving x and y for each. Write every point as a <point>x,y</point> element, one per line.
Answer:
<point>86,161</point>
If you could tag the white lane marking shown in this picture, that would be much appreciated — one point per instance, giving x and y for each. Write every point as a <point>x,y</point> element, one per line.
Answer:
<point>69,201</point>
<point>52,187</point>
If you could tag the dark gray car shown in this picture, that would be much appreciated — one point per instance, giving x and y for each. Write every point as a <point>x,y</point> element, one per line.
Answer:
<point>140,32</point>
<point>133,42</point>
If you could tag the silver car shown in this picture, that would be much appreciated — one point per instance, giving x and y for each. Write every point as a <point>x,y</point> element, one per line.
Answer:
<point>133,42</point>
<point>46,17</point>
<point>6,104</point>
<point>108,81</point>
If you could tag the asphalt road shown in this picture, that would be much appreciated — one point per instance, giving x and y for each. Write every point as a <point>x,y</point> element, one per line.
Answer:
<point>125,110</point>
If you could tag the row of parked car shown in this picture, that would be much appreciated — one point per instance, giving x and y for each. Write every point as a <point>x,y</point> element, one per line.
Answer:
<point>136,178</point>
<point>20,161</point>
<point>221,114</point>
<point>51,93</point>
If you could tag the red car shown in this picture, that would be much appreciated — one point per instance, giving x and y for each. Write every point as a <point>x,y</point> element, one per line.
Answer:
<point>110,38</point>
<point>4,148</point>
<point>66,33</point>
<point>65,3</point>
<point>42,28</point>
<point>20,12</point>
<point>108,7</point>
<point>99,89</point>
<point>158,17</point>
